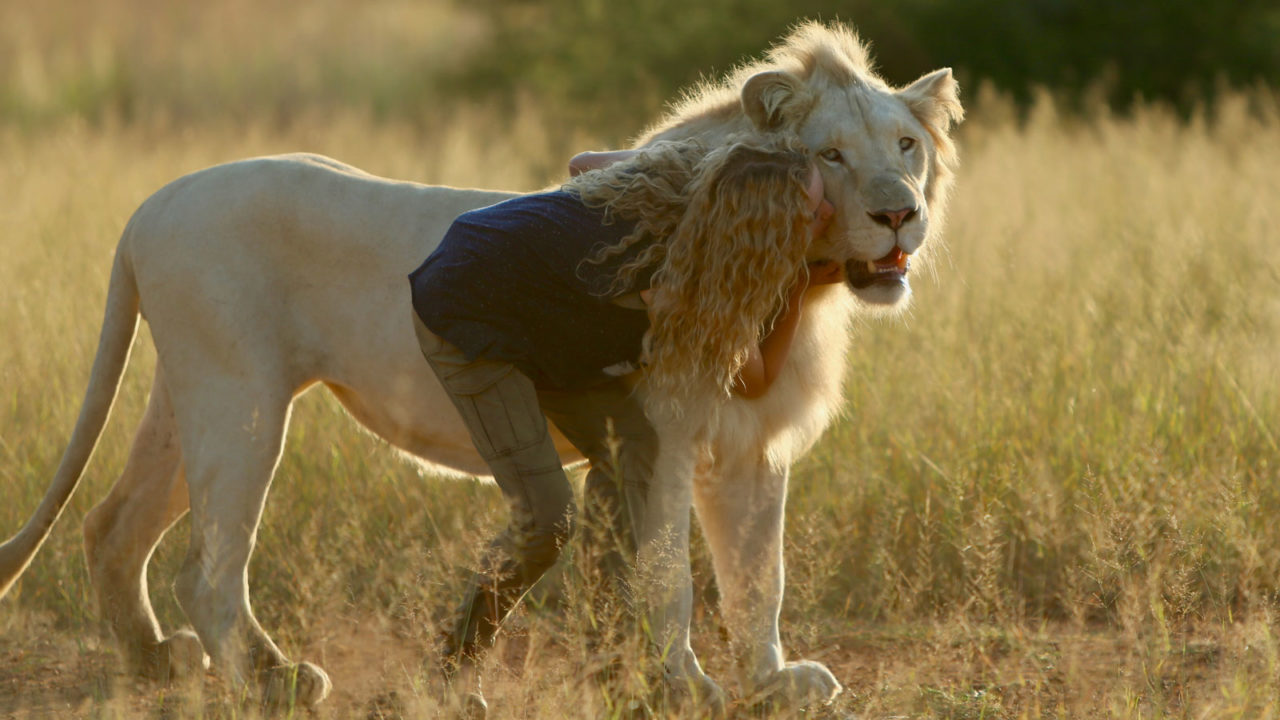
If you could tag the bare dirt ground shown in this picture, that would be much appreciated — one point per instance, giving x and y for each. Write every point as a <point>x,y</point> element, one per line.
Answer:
<point>950,670</point>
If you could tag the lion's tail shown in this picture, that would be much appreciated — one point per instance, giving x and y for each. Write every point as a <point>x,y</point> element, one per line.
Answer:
<point>114,345</point>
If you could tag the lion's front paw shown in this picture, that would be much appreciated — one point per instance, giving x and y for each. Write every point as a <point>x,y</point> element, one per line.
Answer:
<point>290,686</point>
<point>178,658</point>
<point>697,690</point>
<point>803,683</point>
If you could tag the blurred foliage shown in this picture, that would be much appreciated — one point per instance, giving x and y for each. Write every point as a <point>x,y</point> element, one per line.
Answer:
<point>240,60</point>
<point>607,60</point>
<point>594,66</point>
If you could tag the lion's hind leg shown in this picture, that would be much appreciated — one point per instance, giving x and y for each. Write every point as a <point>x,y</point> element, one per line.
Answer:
<point>232,443</point>
<point>123,530</point>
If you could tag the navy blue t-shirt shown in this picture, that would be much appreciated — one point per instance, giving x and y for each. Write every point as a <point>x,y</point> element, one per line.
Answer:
<point>508,282</point>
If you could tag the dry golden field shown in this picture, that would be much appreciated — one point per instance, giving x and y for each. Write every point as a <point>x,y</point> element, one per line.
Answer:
<point>1054,495</point>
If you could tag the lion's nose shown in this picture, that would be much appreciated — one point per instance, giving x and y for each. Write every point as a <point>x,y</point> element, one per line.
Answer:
<point>894,219</point>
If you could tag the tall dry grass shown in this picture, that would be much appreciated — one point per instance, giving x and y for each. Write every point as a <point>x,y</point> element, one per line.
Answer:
<point>1053,494</point>
<point>1074,429</point>
<point>1082,406</point>
<point>230,58</point>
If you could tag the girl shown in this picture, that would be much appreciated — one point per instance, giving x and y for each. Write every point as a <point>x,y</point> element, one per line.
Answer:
<point>686,262</point>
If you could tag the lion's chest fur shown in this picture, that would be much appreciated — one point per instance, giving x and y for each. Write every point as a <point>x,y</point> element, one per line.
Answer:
<point>783,424</point>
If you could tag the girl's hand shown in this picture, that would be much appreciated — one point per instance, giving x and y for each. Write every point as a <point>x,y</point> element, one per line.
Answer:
<point>821,272</point>
<point>825,272</point>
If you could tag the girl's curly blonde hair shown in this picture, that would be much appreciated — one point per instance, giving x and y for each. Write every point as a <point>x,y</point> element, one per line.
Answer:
<point>727,232</point>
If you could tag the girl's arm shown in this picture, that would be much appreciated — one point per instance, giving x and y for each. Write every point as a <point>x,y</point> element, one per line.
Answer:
<point>585,161</point>
<point>765,362</point>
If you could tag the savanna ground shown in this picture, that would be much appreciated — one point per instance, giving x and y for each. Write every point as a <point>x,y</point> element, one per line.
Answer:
<point>1054,493</point>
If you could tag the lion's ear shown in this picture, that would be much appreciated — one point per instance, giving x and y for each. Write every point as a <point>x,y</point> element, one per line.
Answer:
<point>775,99</point>
<point>934,99</point>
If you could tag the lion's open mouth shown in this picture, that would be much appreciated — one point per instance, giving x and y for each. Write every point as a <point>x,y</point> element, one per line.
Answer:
<point>892,268</point>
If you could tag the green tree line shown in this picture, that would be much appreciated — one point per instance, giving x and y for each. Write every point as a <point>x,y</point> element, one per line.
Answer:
<point>609,58</point>
<point>605,66</point>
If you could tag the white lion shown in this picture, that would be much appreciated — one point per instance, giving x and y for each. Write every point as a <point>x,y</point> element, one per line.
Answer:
<point>262,278</point>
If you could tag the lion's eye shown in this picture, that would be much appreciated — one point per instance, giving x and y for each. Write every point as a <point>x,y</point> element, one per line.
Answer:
<point>831,155</point>
<point>906,143</point>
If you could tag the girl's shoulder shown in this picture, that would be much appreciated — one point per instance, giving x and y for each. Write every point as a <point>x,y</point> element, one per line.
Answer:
<point>550,210</point>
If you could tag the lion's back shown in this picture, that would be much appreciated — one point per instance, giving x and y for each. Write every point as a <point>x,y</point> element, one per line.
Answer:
<point>289,213</point>
<point>293,252</point>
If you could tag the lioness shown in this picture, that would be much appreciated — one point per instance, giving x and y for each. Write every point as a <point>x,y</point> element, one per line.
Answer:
<point>262,278</point>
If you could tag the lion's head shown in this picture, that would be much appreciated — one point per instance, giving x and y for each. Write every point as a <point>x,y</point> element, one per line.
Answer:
<point>885,154</point>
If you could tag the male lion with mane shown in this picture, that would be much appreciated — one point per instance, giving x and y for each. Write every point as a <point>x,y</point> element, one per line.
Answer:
<point>264,277</point>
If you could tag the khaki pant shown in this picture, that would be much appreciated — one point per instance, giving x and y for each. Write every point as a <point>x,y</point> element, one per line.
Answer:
<point>507,417</point>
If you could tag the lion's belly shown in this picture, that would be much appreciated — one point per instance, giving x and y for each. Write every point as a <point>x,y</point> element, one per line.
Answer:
<point>408,408</point>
